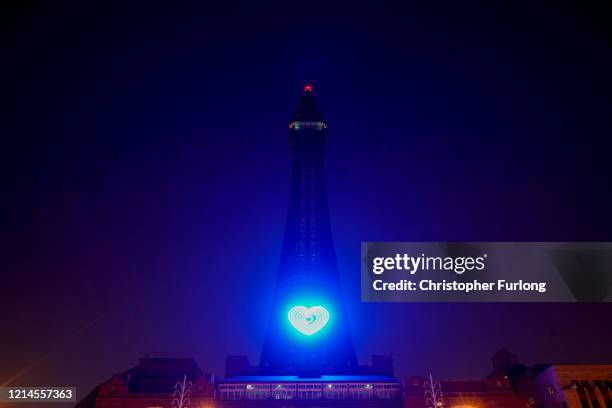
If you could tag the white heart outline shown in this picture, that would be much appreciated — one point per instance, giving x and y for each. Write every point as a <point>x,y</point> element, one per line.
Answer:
<point>298,316</point>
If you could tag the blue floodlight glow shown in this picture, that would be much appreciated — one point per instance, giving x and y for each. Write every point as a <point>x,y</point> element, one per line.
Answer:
<point>308,320</point>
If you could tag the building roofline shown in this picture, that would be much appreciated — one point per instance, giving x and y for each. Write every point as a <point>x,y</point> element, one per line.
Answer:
<point>297,379</point>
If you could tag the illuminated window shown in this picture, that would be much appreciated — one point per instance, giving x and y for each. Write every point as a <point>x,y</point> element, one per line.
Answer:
<point>311,125</point>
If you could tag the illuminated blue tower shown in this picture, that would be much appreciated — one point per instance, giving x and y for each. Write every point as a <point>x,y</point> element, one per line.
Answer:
<point>308,359</point>
<point>308,331</point>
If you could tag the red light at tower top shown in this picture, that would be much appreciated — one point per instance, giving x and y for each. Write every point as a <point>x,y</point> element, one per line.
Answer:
<point>308,88</point>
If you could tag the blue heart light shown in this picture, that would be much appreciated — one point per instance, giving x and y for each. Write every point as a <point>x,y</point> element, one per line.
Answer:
<point>308,321</point>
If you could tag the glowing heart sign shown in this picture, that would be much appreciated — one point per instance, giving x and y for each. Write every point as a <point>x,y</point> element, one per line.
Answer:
<point>308,321</point>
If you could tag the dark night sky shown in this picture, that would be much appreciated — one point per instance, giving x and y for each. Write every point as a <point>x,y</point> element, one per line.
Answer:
<point>146,176</point>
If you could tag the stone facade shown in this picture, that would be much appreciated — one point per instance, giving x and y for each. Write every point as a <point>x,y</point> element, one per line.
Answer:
<point>151,384</point>
<point>566,385</point>
<point>490,393</point>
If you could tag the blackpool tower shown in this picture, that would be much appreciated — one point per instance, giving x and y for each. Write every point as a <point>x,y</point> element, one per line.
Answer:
<point>308,330</point>
<point>308,358</point>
